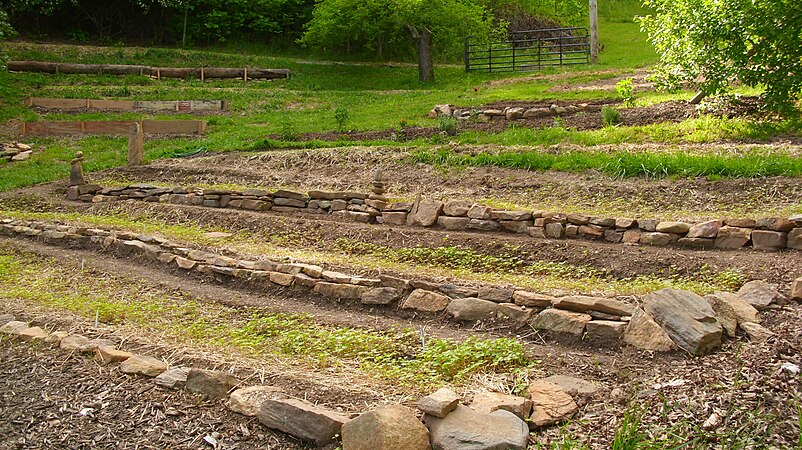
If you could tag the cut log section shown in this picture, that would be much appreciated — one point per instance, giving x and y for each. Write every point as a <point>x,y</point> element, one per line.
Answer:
<point>188,106</point>
<point>177,127</point>
<point>204,73</point>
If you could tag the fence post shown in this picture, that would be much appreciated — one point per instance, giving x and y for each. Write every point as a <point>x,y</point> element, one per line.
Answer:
<point>490,57</point>
<point>467,54</point>
<point>561,48</point>
<point>513,54</point>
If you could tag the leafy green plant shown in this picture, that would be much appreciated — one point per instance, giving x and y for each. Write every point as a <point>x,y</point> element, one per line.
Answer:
<point>626,90</point>
<point>447,125</point>
<point>288,132</point>
<point>628,435</point>
<point>610,116</point>
<point>342,116</point>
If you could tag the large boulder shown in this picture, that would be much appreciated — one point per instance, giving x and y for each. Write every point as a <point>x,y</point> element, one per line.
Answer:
<point>393,427</point>
<point>302,419</point>
<point>550,404</point>
<point>466,429</point>
<point>644,333</point>
<point>760,294</point>
<point>687,319</point>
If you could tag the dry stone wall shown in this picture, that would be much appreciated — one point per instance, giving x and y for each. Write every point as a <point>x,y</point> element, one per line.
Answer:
<point>598,320</point>
<point>767,234</point>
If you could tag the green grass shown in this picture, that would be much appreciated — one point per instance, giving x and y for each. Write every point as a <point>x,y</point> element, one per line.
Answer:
<point>624,164</point>
<point>395,356</point>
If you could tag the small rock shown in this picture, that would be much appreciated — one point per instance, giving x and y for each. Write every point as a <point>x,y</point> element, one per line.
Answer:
<point>248,401</point>
<point>760,294</point>
<point>796,289</point>
<point>488,402</point>
<point>580,303</point>
<point>466,429</point>
<point>730,238</point>
<point>472,309</point>
<point>393,427</point>
<point>426,213</point>
<point>439,403</point>
<point>757,332</point>
<point>33,334</point>
<point>673,227</point>
<point>211,383</point>
<point>56,337</point>
<point>559,321</point>
<point>427,301</point>
<point>573,386</point>
<point>707,229</point>
<point>606,330</point>
<point>302,419</point>
<point>173,378</point>
<point>532,299</point>
<point>142,365</point>
<point>5,318</point>
<point>106,354</point>
<point>13,327</point>
<point>644,333</point>
<point>380,296</point>
<point>23,156</point>
<point>550,404</point>
<point>770,241</point>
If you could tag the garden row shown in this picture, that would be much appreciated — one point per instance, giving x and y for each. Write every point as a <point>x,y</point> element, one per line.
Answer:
<point>669,318</point>
<point>492,419</point>
<point>767,234</point>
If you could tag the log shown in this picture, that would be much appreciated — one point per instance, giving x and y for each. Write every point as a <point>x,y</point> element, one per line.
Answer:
<point>159,72</point>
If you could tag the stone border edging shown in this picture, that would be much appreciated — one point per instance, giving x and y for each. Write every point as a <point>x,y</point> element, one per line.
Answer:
<point>767,234</point>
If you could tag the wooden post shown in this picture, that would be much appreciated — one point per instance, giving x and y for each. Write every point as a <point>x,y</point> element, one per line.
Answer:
<point>594,32</point>
<point>136,143</point>
<point>245,74</point>
<point>202,75</point>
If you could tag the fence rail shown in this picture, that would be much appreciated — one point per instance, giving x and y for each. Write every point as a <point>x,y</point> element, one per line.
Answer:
<point>529,50</point>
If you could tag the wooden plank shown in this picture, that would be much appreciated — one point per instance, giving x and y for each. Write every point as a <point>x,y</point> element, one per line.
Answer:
<point>129,105</point>
<point>122,105</point>
<point>170,72</point>
<point>58,103</point>
<point>177,127</point>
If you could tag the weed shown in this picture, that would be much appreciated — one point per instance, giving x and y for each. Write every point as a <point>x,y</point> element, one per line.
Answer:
<point>626,90</point>
<point>628,435</point>
<point>288,132</point>
<point>610,116</point>
<point>342,116</point>
<point>447,125</point>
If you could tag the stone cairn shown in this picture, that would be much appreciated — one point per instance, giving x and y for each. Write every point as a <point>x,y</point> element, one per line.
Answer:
<point>379,187</point>
<point>77,170</point>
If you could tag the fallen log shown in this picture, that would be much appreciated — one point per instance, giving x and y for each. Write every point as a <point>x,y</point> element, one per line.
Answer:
<point>158,72</point>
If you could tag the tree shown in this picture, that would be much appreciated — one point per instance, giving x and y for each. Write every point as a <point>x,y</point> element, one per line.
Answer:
<point>373,24</point>
<point>6,32</point>
<point>753,42</point>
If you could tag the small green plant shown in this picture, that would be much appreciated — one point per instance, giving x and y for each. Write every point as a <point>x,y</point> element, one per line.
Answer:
<point>610,116</point>
<point>402,124</point>
<point>78,36</point>
<point>342,115</point>
<point>626,90</point>
<point>288,132</point>
<point>447,125</point>
<point>628,435</point>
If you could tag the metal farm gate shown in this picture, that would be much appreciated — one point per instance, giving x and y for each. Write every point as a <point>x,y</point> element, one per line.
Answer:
<point>529,50</point>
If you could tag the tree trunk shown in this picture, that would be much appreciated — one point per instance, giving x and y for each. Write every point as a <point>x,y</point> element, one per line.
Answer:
<point>425,64</point>
<point>184,33</point>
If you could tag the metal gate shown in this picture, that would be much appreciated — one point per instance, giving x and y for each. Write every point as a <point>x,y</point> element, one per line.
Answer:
<point>529,50</point>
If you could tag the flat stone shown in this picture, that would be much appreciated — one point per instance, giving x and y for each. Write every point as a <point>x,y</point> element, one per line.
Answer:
<point>6,318</point>
<point>591,231</point>
<point>554,230</point>
<point>741,223</point>
<point>248,400</point>
<point>466,429</point>
<point>472,309</point>
<point>655,239</point>
<point>697,243</point>
<point>394,218</point>
<point>281,193</point>
<point>394,282</point>
<point>345,291</point>
<point>769,240</point>
<point>56,337</point>
<point>439,403</point>
<point>673,227</point>
<point>550,404</point>
<point>559,321</point>
<point>605,330</point>
<point>687,319</point>
<point>480,212</point>
<point>515,226</point>
<point>730,238</point>
<point>707,229</point>
<point>623,223</point>
<point>76,342</point>
<point>760,294</point>
<point>453,223</point>
<point>335,277</point>
<point>106,354</point>
<point>757,332</point>
<point>578,219</point>
<point>511,215</point>
<point>14,327</point>
<point>483,225</point>
<point>580,303</point>
<point>532,300</point>
<point>427,213</point>
<point>646,334</point>
<point>33,334</point>
<point>496,294</point>
<point>573,386</point>
<point>776,224</point>
<point>427,301</point>
<point>795,239</point>
<point>648,225</point>
<point>457,208</point>
<point>211,383</point>
<point>282,279</point>
<point>514,312</point>
<point>302,419</point>
<point>725,314</point>
<point>606,222</point>
<point>380,296</point>
<point>454,291</point>
<point>536,232</point>
<point>393,427</point>
<point>488,402</point>
<point>173,378</point>
<point>142,365</point>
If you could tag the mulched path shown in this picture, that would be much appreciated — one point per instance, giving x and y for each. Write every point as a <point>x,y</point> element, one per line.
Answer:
<point>52,399</point>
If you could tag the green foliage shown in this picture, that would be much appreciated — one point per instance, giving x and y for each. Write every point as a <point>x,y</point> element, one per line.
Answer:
<point>753,42</point>
<point>610,116</point>
<point>625,164</point>
<point>447,125</point>
<point>628,435</point>
<point>626,90</point>
<point>341,116</point>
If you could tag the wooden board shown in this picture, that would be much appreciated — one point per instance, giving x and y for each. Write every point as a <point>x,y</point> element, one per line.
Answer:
<point>187,106</point>
<point>177,127</point>
<point>168,72</point>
